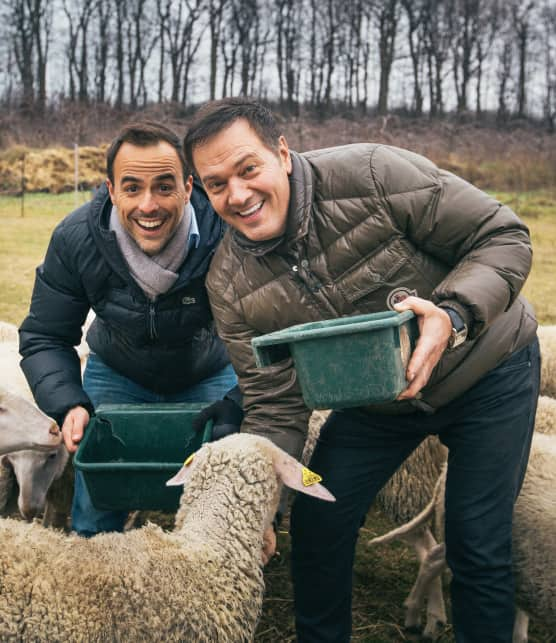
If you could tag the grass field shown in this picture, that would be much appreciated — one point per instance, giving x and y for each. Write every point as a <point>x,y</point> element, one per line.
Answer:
<point>383,576</point>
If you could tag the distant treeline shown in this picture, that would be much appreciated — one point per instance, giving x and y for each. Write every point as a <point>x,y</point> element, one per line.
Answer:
<point>424,56</point>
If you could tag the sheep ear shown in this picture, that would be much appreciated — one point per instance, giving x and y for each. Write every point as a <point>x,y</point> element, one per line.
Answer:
<point>294,475</point>
<point>183,475</point>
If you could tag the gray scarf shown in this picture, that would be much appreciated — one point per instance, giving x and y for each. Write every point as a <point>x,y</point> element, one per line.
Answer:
<point>155,274</point>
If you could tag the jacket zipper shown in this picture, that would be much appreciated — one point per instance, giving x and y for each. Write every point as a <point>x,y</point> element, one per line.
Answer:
<point>152,327</point>
<point>312,284</point>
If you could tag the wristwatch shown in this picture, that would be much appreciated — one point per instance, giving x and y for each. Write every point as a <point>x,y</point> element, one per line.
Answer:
<point>459,329</point>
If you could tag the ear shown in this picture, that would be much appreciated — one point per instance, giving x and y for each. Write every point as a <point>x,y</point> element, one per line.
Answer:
<point>294,475</point>
<point>183,475</point>
<point>110,190</point>
<point>188,187</point>
<point>284,154</point>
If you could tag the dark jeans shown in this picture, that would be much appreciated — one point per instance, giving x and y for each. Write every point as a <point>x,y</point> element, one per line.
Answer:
<point>488,432</point>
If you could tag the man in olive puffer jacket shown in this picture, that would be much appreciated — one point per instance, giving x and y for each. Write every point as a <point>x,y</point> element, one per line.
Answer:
<point>359,229</point>
<point>137,254</point>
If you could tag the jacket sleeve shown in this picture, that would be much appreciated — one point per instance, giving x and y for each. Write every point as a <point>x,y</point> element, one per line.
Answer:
<point>50,331</point>
<point>484,242</point>
<point>272,398</point>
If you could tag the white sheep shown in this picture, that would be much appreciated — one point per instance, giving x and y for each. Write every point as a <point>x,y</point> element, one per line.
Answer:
<point>24,426</point>
<point>547,342</point>
<point>8,332</point>
<point>534,534</point>
<point>35,472</point>
<point>202,582</point>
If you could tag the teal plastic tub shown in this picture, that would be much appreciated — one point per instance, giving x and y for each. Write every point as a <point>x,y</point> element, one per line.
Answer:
<point>130,451</point>
<point>345,362</point>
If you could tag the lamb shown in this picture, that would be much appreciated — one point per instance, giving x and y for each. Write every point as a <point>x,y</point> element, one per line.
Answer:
<point>202,582</point>
<point>534,538</point>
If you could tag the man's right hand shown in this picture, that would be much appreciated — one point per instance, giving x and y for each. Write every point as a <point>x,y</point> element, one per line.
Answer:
<point>73,427</point>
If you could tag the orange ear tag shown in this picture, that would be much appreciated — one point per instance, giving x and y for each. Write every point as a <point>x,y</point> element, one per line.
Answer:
<point>309,477</point>
<point>188,460</point>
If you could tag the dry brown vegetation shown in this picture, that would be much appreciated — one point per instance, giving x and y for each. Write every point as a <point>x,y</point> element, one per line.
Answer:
<point>522,158</point>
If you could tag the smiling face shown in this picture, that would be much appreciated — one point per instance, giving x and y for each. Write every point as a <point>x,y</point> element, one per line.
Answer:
<point>149,193</point>
<point>246,182</point>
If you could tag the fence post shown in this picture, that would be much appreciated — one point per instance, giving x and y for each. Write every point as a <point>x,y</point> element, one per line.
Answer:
<point>23,184</point>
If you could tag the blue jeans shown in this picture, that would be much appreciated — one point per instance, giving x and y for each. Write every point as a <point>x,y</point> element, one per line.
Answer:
<point>488,432</point>
<point>105,386</point>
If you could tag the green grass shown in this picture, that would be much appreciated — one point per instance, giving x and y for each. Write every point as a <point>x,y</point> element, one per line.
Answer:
<point>538,210</point>
<point>23,244</point>
<point>382,576</point>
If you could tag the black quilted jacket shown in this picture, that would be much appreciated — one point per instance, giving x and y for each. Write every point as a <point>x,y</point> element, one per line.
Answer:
<point>165,346</point>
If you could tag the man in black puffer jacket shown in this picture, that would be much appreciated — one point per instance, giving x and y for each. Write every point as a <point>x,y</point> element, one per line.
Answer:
<point>137,254</point>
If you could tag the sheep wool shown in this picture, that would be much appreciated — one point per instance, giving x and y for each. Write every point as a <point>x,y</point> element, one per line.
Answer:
<point>202,582</point>
<point>547,342</point>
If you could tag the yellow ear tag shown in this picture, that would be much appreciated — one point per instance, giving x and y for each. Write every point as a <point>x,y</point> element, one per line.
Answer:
<point>188,460</point>
<point>309,477</point>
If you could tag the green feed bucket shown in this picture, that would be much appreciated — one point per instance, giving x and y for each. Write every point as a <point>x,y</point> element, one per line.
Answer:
<point>129,451</point>
<point>345,362</point>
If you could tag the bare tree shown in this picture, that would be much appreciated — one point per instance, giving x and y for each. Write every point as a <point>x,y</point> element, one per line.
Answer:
<point>416,13</point>
<point>504,71</point>
<point>41,18</point>
<point>288,26</point>
<point>549,45</point>
<point>216,14</point>
<point>121,15</point>
<point>182,38</point>
<point>437,41</point>
<point>387,16</point>
<point>352,23</point>
<point>248,19</point>
<point>103,13</point>
<point>140,40</point>
<point>522,19</point>
<point>20,21</point>
<point>78,14</point>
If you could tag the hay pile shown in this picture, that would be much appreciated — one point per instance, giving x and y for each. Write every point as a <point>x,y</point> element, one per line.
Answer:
<point>50,170</point>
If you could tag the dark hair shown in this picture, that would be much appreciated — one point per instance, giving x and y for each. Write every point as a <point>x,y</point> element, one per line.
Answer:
<point>144,134</point>
<point>217,115</point>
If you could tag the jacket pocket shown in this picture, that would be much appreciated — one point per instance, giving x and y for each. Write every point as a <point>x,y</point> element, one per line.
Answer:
<point>392,272</point>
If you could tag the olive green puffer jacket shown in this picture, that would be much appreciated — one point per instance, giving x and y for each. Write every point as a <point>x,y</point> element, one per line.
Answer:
<point>366,225</point>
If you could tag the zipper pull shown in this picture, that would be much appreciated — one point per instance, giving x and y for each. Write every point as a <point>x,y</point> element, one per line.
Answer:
<point>152,327</point>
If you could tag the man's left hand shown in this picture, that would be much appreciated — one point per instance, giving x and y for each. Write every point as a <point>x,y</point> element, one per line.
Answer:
<point>435,327</point>
<point>226,416</point>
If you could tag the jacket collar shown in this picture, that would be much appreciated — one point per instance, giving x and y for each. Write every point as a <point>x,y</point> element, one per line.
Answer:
<point>299,209</point>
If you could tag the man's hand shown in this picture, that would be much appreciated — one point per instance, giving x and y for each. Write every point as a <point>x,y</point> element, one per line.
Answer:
<point>73,427</point>
<point>226,416</point>
<point>269,544</point>
<point>435,327</point>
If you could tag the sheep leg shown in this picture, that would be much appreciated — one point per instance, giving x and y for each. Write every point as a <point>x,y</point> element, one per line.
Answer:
<point>132,520</point>
<point>521,627</point>
<point>436,608</point>
<point>420,540</point>
<point>428,586</point>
